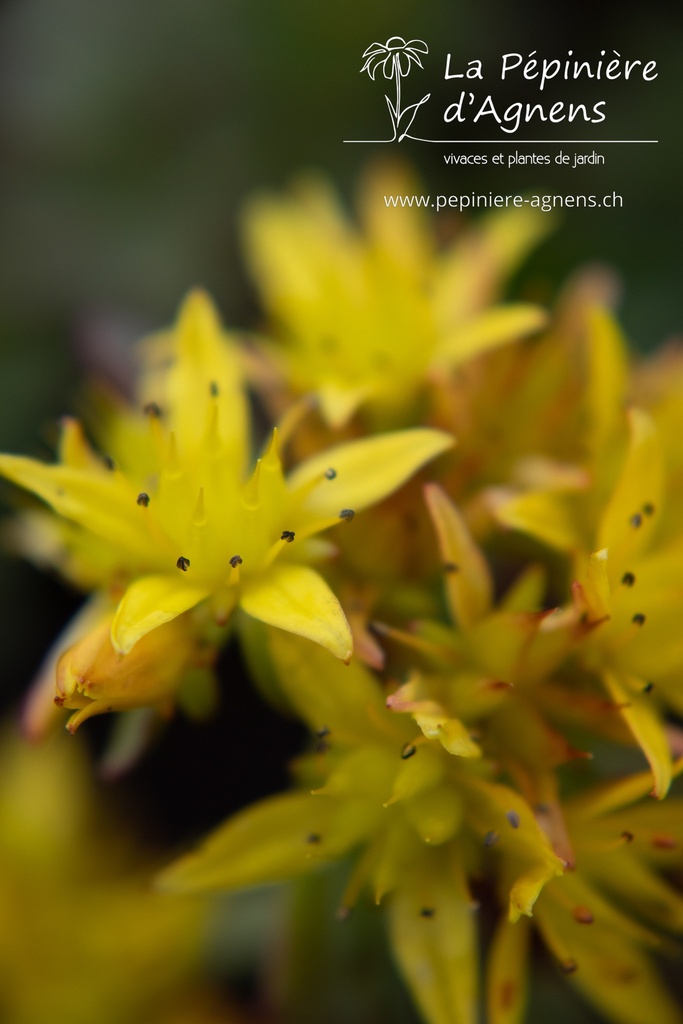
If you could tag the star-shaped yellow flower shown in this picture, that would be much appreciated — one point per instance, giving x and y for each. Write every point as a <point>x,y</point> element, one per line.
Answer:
<point>368,318</point>
<point>425,822</point>
<point>603,921</point>
<point>175,520</point>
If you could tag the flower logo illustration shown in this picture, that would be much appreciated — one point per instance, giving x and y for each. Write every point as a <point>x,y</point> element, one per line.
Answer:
<point>395,58</point>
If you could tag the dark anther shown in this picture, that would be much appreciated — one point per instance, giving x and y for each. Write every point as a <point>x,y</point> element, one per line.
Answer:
<point>143,499</point>
<point>427,912</point>
<point>648,688</point>
<point>636,520</point>
<point>638,619</point>
<point>648,508</point>
<point>235,561</point>
<point>347,513</point>
<point>627,836</point>
<point>214,390</point>
<point>513,818</point>
<point>450,567</point>
<point>582,915</point>
<point>628,579</point>
<point>287,535</point>
<point>407,750</point>
<point>569,966</point>
<point>313,838</point>
<point>152,409</point>
<point>330,473</point>
<point>491,838</point>
<point>183,563</point>
<point>322,746</point>
<point>109,462</point>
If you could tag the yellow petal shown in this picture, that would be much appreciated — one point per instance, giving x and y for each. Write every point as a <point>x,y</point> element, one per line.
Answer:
<point>614,974</point>
<point>367,470</point>
<point>338,403</point>
<point>297,599</point>
<point>500,643</point>
<point>612,796</point>
<point>367,772</point>
<point>74,450</point>
<point>489,330</point>
<point>636,885</point>
<point>607,379</point>
<point>451,733</point>
<point>527,862</point>
<point>543,514</point>
<point>508,976</point>
<point>148,603</point>
<point>629,519</point>
<point>596,588</point>
<point>206,370</point>
<point>527,591</point>
<point>433,937</point>
<point>471,270</point>
<point>98,502</point>
<point>468,580</point>
<point>268,842</point>
<point>647,728</point>
<point>417,774</point>
<point>527,888</point>
<point>436,815</point>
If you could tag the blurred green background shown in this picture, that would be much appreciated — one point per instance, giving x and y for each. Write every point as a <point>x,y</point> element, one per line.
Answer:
<point>132,132</point>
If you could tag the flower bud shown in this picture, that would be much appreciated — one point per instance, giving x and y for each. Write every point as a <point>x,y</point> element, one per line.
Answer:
<point>93,678</point>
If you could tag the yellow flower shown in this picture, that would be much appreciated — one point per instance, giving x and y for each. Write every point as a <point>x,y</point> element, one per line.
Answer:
<point>603,921</point>
<point>425,823</point>
<point>485,678</point>
<point>94,678</point>
<point>367,319</point>
<point>626,590</point>
<point>622,537</point>
<point>175,520</point>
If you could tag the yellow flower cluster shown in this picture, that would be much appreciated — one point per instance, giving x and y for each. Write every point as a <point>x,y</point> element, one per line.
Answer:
<point>468,653</point>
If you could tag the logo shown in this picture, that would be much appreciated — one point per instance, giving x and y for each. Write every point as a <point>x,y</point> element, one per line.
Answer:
<point>481,94</point>
<point>396,58</point>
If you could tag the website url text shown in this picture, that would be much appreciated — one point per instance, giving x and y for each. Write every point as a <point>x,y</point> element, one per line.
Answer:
<point>489,200</point>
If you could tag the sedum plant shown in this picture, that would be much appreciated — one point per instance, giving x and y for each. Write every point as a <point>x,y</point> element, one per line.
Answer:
<point>454,555</point>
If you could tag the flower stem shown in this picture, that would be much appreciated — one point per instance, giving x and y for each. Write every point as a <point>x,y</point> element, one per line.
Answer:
<point>397,69</point>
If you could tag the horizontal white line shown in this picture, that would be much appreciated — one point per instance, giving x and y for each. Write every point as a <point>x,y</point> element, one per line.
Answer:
<point>524,142</point>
